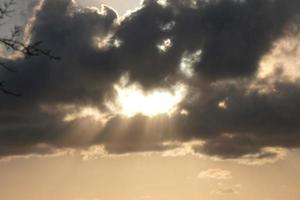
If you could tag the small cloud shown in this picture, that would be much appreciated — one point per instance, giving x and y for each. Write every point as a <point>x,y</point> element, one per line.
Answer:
<point>268,155</point>
<point>219,174</point>
<point>223,189</point>
<point>93,153</point>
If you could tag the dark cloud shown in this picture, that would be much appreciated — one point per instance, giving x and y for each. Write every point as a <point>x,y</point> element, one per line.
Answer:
<point>83,76</point>
<point>140,34</point>
<point>70,34</point>
<point>233,36</point>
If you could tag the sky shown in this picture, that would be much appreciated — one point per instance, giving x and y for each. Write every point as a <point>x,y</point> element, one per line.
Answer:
<point>153,99</point>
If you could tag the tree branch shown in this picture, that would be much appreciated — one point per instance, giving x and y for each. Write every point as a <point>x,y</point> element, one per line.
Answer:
<point>6,91</point>
<point>5,9</point>
<point>12,43</point>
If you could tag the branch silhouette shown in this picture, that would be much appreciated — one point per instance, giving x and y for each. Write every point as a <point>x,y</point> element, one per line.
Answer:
<point>13,44</point>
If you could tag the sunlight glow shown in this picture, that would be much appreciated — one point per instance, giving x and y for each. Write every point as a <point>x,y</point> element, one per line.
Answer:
<point>223,105</point>
<point>163,3</point>
<point>133,100</point>
<point>165,45</point>
<point>84,112</point>
<point>103,42</point>
<point>188,61</point>
<point>282,60</point>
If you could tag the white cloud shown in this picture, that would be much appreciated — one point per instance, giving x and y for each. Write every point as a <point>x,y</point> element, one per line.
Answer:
<point>219,174</point>
<point>223,189</point>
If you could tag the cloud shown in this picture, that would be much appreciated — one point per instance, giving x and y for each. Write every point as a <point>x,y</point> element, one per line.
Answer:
<point>223,189</point>
<point>49,87</point>
<point>230,107</point>
<point>267,155</point>
<point>219,174</point>
<point>251,121</point>
<point>93,153</point>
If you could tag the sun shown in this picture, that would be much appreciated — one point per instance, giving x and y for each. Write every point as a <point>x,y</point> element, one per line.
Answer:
<point>132,100</point>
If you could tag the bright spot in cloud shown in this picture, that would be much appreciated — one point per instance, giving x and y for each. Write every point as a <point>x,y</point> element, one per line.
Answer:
<point>163,3</point>
<point>103,42</point>
<point>83,113</point>
<point>169,26</point>
<point>184,112</point>
<point>165,45</point>
<point>133,100</point>
<point>283,58</point>
<point>188,61</point>
<point>222,105</point>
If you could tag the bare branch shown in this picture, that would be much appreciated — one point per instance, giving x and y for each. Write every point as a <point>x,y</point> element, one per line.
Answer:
<point>30,50</point>
<point>14,44</point>
<point>6,67</point>
<point>6,91</point>
<point>6,9</point>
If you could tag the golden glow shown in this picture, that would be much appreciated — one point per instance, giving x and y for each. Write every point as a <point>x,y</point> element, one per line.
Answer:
<point>165,45</point>
<point>222,104</point>
<point>103,42</point>
<point>132,100</point>
<point>84,112</point>
<point>282,58</point>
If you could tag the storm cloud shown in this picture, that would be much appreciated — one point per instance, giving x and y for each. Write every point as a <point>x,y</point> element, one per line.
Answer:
<point>228,106</point>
